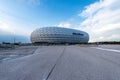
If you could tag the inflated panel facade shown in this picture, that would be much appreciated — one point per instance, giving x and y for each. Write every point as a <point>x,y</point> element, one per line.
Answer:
<point>58,35</point>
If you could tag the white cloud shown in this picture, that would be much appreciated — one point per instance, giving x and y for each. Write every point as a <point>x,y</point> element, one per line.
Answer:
<point>9,25</point>
<point>102,19</point>
<point>6,28</point>
<point>65,24</point>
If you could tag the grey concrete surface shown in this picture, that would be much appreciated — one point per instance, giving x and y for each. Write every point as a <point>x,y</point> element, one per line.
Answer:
<point>23,50</point>
<point>116,47</point>
<point>63,63</point>
<point>7,54</point>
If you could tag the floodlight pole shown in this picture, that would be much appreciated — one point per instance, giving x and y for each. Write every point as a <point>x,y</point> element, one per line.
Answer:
<point>14,40</point>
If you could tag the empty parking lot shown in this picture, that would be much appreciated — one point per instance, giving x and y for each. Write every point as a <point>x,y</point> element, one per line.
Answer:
<point>62,63</point>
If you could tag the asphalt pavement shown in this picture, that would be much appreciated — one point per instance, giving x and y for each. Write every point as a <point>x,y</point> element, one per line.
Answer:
<point>64,63</point>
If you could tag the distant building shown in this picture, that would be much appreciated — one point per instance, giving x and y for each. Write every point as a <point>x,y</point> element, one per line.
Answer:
<point>59,35</point>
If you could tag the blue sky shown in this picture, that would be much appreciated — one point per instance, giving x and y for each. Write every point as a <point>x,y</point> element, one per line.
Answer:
<point>18,18</point>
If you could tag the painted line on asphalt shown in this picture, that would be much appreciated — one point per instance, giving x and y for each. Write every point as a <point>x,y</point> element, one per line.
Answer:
<point>107,49</point>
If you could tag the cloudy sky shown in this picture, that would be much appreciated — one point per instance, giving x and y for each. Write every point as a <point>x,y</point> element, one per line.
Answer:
<point>100,18</point>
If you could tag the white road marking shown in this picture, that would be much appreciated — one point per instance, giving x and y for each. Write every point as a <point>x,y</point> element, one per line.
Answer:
<point>107,49</point>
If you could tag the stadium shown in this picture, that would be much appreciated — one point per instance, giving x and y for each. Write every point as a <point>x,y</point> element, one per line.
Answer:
<point>58,35</point>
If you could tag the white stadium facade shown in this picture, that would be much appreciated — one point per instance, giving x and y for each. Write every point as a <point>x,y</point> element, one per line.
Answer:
<point>58,35</point>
